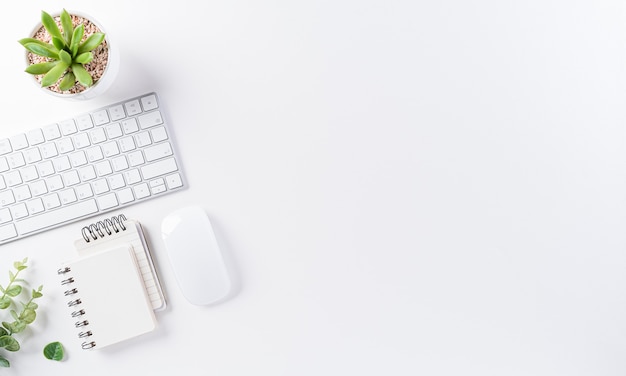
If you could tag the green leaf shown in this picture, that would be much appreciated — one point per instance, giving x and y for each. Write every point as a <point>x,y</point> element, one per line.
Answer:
<point>65,57</point>
<point>37,293</point>
<point>54,351</point>
<point>54,74</point>
<point>14,290</point>
<point>68,28</point>
<point>91,43</point>
<point>31,305</point>
<point>25,41</point>
<point>68,81</point>
<point>58,43</point>
<point>4,362</point>
<point>50,25</point>
<point>77,36</point>
<point>82,75</point>
<point>45,50</point>
<point>28,316</point>
<point>17,326</point>
<point>9,343</point>
<point>5,302</point>
<point>40,68</point>
<point>3,332</point>
<point>84,58</point>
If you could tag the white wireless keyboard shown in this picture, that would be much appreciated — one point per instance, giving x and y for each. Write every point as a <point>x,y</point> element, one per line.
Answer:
<point>100,161</point>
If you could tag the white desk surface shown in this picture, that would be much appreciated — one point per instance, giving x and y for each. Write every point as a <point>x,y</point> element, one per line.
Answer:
<point>406,187</point>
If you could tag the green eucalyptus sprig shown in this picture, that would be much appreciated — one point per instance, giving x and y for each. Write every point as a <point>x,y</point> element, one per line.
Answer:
<point>66,55</point>
<point>26,315</point>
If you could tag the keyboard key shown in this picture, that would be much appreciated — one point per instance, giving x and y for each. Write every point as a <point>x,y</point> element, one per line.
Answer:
<point>141,190</point>
<point>100,117</point>
<point>5,215</point>
<point>117,112</point>
<point>107,201</point>
<point>35,137</point>
<point>162,167</point>
<point>34,206</point>
<point>68,127</point>
<point>7,232</point>
<point>150,120</point>
<point>6,198</point>
<point>149,102</point>
<point>132,107</point>
<point>67,196</point>
<point>19,142</point>
<point>130,126</point>
<point>84,191</point>
<point>174,181</point>
<point>125,195</point>
<point>51,132</point>
<point>51,201</point>
<point>19,210</point>
<point>84,122</point>
<point>5,146</point>
<point>54,217</point>
<point>158,151</point>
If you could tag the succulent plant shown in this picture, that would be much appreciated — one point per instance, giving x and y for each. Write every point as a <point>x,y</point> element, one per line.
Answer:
<point>66,55</point>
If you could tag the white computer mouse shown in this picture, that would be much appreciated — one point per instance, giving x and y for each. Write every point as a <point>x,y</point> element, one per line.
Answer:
<point>195,257</point>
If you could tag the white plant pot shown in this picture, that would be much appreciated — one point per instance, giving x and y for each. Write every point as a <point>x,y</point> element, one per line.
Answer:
<point>110,72</point>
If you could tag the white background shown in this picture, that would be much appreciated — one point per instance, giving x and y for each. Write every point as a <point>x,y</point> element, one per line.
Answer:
<point>404,187</point>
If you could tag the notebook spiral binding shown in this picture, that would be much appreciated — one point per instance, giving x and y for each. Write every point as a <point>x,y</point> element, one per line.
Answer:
<point>97,230</point>
<point>90,233</point>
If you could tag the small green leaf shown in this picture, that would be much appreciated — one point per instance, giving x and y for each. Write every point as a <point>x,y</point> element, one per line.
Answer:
<point>9,343</point>
<point>50,25</point>
<point>58,43</point>
<point>67,82</point>
<point>84,58</point>
<point>28,316</point>
<point>17,326</point>
<point>91,43</point>
<point>41,68</point>
<point>46,50</point>
<point>68,28</point>
<point>65,57</point>
<point>25,41</point>
<point>4,362</point>
<point>82,75</point>
<point>31,305</point>
<point>37,293</point>
<point>54,74</point>
<point>3,332</point>
<point>54,351</point>
<point>14,290</point>
<point>5,302</point>
<point>77,36</point>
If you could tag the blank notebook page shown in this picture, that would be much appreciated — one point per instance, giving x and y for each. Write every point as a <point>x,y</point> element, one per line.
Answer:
<point>112,295</point>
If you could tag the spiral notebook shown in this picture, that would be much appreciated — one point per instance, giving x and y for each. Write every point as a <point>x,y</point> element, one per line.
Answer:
<point>107,297</point>
<point>116,230</point>
<point>111,287</point>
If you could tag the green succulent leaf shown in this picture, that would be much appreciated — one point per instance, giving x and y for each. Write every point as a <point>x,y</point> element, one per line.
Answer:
<point>53,351</point>
<point>4,362</point>
<point>82,75</point>
<point>3,332</point>
<point>45,50</point>
<point>68,81</point>
<point>68,28</point>
<point>40,68</point>
<point>9,343</point>
<point>65,57</point>
<point>84,58</point>
<point>50,25</point>
<point>76,38</point>
<point>91,43</point>
<point>58,43</point>
<point>25,41</point>
<point>54,74</point>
